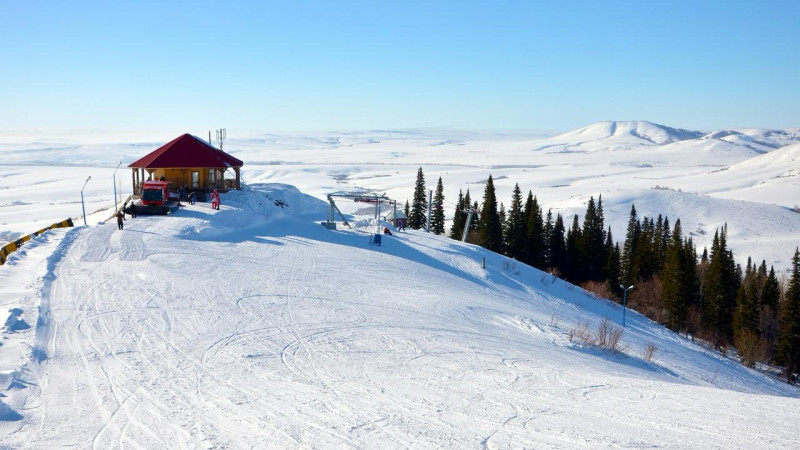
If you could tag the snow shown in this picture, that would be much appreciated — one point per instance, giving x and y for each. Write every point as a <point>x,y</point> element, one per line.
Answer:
<point>256,326</point>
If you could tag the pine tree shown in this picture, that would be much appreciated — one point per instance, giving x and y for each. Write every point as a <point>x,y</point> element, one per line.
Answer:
<point>558,249</point>
<point>721,287</point>
<point>437,217</point>
<point>419,203</point>
<point>490,231</point>
<point>534,238</point>
<point>571,267</point>
<point>771,292</point>
<point>611,267</point>
<point>673,290</point>
<point>746,317</point>
<point>459,218</point>
<point>592,246</point>
<point>503,224</point>
<point>407,209</point>
<point>789,341</point>
<point>515,226</point>
<point>548,235</point>
<point>628,271</point>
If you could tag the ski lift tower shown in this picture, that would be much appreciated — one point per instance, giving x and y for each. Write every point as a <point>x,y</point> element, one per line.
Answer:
<point>362,197</point>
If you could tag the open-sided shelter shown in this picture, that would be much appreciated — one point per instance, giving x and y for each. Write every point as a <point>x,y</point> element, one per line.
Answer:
<point>188,162</point>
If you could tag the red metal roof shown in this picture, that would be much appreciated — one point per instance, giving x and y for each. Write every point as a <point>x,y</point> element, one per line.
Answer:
<point>186,151</point>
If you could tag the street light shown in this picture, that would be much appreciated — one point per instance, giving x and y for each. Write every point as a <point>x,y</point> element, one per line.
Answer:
<point>82,205</point>
<point>624,300</point>
<point>116,202</point>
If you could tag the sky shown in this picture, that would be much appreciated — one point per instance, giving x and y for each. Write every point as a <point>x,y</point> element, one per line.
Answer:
<point>351,65</point>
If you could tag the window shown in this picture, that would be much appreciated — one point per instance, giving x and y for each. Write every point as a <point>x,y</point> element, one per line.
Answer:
<point>212,175</point>
<point>195,180</point>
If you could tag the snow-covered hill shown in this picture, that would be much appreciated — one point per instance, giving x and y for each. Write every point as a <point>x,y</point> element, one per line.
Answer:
<point>630,131</point>
<point>254,326</point>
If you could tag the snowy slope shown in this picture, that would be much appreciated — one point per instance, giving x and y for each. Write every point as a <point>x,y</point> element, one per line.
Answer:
<point>256,327</point>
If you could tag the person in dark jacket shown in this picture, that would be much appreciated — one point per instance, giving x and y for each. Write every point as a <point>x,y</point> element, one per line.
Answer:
<point>120,218</point>
<point>132,210</point>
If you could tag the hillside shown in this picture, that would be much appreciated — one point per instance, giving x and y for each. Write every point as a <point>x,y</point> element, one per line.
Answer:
<point>255,326</point>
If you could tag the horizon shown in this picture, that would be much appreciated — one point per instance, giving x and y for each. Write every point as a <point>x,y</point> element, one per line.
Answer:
<point>361,66</point>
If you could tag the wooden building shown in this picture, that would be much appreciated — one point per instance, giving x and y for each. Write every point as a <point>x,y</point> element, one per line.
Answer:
<point>188,162</point>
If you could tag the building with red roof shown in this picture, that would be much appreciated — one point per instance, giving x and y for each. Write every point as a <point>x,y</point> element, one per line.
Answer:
<point>188,162</point>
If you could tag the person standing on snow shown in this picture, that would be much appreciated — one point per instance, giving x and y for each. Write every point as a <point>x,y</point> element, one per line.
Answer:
<point>120,218</point>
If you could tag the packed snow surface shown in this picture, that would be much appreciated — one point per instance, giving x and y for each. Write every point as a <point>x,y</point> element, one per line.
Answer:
<point>254,326</point>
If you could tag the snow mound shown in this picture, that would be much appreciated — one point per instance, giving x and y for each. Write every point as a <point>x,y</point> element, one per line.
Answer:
<point>256,206</point>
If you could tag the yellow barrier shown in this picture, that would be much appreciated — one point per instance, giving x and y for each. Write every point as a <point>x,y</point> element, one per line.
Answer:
<point>13,246</point>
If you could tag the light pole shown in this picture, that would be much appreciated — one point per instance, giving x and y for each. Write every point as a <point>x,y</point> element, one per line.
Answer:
<point>114,176</point>
<point>624,300</point>
<point>82,205</point>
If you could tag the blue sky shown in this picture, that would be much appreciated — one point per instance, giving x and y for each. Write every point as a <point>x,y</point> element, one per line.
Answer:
<point>326,65</point>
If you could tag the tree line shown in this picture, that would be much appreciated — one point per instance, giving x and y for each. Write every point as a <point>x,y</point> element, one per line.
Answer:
<point>704,295</point>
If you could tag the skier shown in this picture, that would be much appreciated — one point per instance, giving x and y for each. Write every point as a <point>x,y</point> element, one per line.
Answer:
<point>120,218</point>
<point>132,210</point>
<point>192,198</point>
<point>387,231</point>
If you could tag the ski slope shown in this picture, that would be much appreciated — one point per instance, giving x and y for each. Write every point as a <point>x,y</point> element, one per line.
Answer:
<point>253,326</point>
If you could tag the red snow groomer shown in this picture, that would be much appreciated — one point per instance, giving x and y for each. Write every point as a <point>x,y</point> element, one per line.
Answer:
<point>155,193</point>
<point>155,198</point>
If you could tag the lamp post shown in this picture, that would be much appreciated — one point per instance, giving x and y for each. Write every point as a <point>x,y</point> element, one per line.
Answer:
<point>82,205</point>
<point>624,300</point>
<point>114,176</point>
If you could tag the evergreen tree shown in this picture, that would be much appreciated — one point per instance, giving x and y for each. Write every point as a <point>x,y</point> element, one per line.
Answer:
<point>534,237</point>
<point>490,231</point>
<point>628,271</point>
<point>407,209</point>
<point>437,217</point>
<point>515,226</point>
<point>591,247</point>
<point>558,249</point>
<point>571,267</point>
<point>459,218</point>
<point>548,235</point>
<point>503,224</point>
<point>673,290</point>
<point>419,203</point>
<point>789,341</point>
<point>721,287</point>
<point>611,267</point>
<point>746,317</point>
<point>771,292</point>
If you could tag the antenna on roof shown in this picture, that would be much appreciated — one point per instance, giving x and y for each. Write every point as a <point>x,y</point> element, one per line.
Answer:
<point>221,135</point>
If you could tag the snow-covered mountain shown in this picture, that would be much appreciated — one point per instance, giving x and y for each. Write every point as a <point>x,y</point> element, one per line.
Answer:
<point>629,131</point>
<point>255,326</point>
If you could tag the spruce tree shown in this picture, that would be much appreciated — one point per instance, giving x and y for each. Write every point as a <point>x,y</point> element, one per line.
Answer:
<point>407,209</point>
<point>419,203</point>
<point>534,238</point>
<point>459,218</point>
<point>571,267</point>
<point>628,270</point>
<point>673,290</point>
<point>592,245</point>
<point>789,341</point>
<point>515,226</point>
<point>721,287</point>
<point>437,217</point>
<point>548,235</point>
<point>558,249</point>
<point>490,231</point>
<point>611,266</point>
<point>771,292</point>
